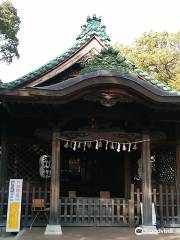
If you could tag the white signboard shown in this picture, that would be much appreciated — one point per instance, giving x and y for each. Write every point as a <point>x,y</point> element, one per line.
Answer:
<point>14,205</point>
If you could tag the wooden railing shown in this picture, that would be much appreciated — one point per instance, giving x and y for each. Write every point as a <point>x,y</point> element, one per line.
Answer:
<point>167,204</point>
<point>96,211</point>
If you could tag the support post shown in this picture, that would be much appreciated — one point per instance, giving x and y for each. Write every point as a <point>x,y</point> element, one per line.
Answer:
<point>127,170</point>
<point>178,166</point>
<point>178,170</point>
<point>146,186</point>
<point>3,154</point>
<point>54,227</point>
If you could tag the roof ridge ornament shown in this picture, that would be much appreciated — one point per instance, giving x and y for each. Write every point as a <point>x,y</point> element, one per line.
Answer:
<point>94,28</point>
<point>94,17</point>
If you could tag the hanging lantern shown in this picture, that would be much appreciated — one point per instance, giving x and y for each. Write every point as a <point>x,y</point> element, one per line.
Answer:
<point>112,146</point>
<point>119,147</point>
<point>79,145</point>
<point>129,147</point>
<point>135,147</point>
<point>124,147</point>
<point>74,148</point>
<point>84,146</point>
<point>97,145</point>
<point>106,145</point>
<point>45,166</point>
<point>66,145</point>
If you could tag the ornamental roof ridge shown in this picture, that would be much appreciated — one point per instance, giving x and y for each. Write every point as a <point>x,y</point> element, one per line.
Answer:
<point>92,28</point>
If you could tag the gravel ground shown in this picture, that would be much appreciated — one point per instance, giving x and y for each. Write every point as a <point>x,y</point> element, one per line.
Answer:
<point>95,233</point>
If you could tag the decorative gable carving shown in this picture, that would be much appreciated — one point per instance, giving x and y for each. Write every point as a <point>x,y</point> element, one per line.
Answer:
<point>109,98</point>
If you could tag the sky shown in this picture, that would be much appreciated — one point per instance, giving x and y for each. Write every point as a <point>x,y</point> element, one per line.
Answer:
<point>48,28</point>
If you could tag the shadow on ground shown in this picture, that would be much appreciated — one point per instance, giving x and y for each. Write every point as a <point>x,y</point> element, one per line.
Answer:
<point>95,233</point>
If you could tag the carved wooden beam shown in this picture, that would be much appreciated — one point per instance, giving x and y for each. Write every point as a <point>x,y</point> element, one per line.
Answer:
<point>93,135</point>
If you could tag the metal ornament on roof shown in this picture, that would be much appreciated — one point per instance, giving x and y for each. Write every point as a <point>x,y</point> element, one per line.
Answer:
<point>45,166</point>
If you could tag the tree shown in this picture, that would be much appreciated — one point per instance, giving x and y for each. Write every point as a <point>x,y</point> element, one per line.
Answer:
<point>159,54</point>
<point>9,27</point>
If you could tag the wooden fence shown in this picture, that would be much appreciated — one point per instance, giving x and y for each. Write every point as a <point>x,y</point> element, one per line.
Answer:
<point>97,211</point>
<point>93,212</point>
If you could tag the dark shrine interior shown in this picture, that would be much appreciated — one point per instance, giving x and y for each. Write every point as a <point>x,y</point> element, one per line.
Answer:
<point>91,171</point>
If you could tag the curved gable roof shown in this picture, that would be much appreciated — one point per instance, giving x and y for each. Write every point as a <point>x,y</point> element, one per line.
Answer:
<point>106,78</point>
<point>86,85</point>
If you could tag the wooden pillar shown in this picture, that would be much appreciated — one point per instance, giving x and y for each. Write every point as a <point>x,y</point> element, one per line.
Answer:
<point>178,158</point>
<point>55,178</point>
<point>3,154</point>
<point>178,178</point>
<point>127,171</point>
<point>178,167</point>
<point>146,181</point>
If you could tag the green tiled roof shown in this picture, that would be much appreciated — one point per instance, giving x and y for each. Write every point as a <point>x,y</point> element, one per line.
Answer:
<point>112,59</point>
<point>92,28</point>
<point>108,59</point>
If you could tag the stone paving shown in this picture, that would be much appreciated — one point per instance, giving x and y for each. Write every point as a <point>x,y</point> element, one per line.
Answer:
<point>94,233</point>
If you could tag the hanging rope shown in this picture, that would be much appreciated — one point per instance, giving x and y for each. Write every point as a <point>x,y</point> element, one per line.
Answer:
<point>98,143</point>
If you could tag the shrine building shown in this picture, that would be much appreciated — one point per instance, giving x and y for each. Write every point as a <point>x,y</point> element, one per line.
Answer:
<point>94,136</point>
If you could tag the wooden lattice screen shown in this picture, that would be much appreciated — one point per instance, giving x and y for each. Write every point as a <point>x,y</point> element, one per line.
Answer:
<point>23,160</point>
<point>164,169</point>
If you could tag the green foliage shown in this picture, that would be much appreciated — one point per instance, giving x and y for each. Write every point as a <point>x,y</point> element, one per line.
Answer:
<point>159,54</point>
<point>9,27</point>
